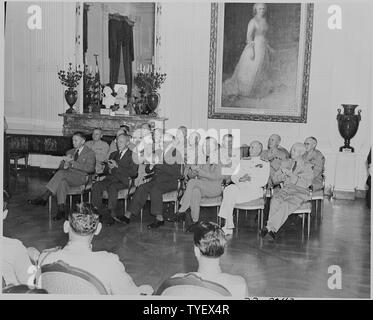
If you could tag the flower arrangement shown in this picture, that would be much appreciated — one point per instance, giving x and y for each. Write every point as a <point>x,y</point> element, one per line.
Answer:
<point>149,81</point>
<point>70,78</point>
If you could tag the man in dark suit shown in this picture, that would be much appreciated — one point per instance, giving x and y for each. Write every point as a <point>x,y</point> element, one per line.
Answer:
<point>121,167</point>
<point>165,179</point>
<point>76,165</point>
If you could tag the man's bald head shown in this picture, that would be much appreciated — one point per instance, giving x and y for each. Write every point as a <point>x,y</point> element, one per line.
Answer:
<point>310,143</point>
<point>255,148</point>
<point>297,150</point>
<point>274,141</point>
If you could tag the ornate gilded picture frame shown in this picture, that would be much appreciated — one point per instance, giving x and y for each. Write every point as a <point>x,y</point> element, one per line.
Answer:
<point>259,66</point>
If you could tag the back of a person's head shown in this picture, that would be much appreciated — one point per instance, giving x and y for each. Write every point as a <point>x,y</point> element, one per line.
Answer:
<point>23,289</point>
<point>84,220</point>
<point>209,238</point>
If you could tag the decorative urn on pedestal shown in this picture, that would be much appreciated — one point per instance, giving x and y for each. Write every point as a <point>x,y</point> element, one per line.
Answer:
<point>348,123</point>
<point>70,79</point>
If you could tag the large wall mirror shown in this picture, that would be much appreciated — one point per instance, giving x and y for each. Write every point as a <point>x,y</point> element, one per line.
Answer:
<point>118,40</point>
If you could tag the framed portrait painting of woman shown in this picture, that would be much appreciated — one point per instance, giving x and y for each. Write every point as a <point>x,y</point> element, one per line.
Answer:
<point>260,56</point>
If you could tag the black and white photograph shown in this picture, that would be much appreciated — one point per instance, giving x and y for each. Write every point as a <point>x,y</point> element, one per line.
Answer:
<point>186,150</point>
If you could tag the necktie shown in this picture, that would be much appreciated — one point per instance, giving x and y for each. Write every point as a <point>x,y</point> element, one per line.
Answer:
<point>295,166</point>
<point>76,155</point>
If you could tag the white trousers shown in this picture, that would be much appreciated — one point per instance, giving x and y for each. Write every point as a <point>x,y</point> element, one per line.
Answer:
<point>233,194</point>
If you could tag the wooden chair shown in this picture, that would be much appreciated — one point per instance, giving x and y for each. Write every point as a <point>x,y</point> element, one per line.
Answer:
<point>80,190</point>
<point>124,194</point>
<point>191,285</point>
<point>61,278</point>
<point>17,156</point>
<point>304,210</point>
<point>317,196</point>
<point>172,196</point>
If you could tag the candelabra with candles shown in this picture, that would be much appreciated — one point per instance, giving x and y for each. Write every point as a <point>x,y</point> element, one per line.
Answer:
<point>149,80</point>
<point>70,79</point>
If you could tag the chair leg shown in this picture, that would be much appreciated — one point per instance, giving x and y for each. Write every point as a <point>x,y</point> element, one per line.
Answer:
<point>16,164</point>
<point>89,196</point>
<point>308,226</point>
<point>50,207</point>
<point>261,218</point>
<point>217,214</point>
<point>81,198</point>
<point>26,161</point>
<point>321,210</point>
<point>70,202</point>
<point>141,215</point>
<point>237,214</point>
<point>303,216</point>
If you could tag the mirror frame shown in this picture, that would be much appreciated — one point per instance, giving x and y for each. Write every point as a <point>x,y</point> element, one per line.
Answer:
<point>79,44</point>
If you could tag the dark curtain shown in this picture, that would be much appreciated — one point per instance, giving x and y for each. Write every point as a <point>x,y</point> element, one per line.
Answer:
<point>121,39</point>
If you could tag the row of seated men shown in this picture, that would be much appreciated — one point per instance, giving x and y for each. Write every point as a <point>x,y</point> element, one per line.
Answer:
<point>82,226</point>
<point>296,172</point>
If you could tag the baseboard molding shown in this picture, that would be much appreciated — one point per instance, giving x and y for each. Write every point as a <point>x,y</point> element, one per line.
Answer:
<point>350,195</point>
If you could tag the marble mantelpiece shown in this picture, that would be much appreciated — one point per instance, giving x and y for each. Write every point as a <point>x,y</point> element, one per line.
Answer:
<point>86,122</point>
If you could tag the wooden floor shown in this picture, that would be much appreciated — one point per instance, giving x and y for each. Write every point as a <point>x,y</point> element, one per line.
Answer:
<point>286,268</point>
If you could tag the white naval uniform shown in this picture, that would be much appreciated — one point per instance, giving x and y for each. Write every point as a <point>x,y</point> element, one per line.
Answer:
<point>241,192</point>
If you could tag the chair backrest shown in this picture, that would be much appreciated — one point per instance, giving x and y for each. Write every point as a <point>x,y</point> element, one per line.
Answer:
<point>61,278</point>
<point>191,285</point>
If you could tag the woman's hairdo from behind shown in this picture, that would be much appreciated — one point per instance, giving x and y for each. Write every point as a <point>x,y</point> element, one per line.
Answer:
<point>210,239</point>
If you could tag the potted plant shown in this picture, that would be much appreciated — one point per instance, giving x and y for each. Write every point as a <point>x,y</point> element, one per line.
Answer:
<point>70,79</point>
<point>150,82</point>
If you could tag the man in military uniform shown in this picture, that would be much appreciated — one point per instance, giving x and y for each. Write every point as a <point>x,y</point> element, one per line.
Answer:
<point>316,158</point>
<point>275,154</point>
<point>296,175</point>
<point>249,177</point>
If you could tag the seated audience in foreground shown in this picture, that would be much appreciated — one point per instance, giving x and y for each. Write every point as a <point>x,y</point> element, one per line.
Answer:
<point>275,154</point>
<point>205,181</point>
<point>209,247</point>
<point>75,167</point>
<point>16,259</point>
<point>82,226</point>
<point>296,175</point>
<point>248,179</point>
<point>164,179</point>
<point>100,148</point>
<point>121,167</point>
<point>317,159</point>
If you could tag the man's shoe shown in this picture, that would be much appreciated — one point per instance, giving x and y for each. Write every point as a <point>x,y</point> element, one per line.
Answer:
<point>272,234</point>
<point>110,222</point>
<point>38,202</point>
<point>155,224</point>
<point>192,227</point>
<point>177,217</point>
<point>227,232</point>
<point>60,215</point>
<point>263,232</point>
<point>122,219</point>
